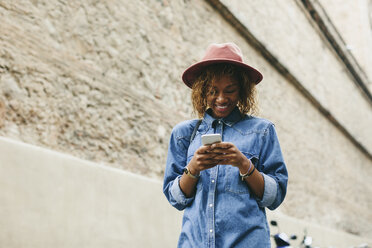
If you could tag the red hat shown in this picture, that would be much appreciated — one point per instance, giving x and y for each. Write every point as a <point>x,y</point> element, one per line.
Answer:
<point>220,53</point>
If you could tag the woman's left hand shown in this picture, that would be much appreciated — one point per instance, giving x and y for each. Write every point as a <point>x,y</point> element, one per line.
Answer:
<point>228,153</point>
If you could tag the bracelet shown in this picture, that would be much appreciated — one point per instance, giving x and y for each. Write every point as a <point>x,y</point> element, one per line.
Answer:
<point>244,176</point>
<point>188,172</point>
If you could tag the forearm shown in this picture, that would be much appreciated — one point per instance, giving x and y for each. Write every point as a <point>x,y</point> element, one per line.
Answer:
<point>256,183</point>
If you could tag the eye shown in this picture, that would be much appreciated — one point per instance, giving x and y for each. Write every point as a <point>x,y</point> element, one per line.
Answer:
<point>212,92</point>
<point>231,90</point>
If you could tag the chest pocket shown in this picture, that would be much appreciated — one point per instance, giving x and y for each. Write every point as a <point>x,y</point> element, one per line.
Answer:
<point>234,183</point>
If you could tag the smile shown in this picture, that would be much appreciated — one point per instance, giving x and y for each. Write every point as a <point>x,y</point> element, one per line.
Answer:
<point>221,107</point>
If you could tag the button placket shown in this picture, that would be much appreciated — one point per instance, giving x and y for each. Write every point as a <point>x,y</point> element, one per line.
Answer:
<point>211,204</point>
<point>212,193</point>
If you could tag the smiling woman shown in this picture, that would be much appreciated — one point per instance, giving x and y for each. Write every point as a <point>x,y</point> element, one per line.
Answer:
<point>224,187</point>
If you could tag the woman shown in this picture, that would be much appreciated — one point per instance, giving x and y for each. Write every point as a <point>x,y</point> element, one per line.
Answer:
<point>225,187</point>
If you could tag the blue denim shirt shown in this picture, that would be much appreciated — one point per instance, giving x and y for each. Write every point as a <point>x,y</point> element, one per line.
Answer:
<point>224,212</point>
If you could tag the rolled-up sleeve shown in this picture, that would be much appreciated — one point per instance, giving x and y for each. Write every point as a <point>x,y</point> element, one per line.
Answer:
<point>270,191</point>
<point>177,195</point>
<point>176,162</point>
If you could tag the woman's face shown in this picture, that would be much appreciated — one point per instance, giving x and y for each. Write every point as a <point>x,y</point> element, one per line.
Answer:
<point>223,96</point>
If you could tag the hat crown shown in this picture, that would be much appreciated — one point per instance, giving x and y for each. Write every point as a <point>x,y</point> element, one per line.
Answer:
<point>220,53</point>
<point>228,51</point>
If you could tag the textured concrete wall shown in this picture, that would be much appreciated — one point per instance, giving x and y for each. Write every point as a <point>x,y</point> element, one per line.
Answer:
<point>101,81</point>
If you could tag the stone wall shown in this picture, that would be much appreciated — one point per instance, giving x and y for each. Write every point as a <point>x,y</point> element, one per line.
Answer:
<point>101,81</point>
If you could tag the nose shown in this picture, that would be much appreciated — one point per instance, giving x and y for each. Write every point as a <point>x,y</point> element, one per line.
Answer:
<point>221,98</point>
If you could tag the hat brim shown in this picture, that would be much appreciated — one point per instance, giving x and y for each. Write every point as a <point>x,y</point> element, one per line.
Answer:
<point>190,74</point>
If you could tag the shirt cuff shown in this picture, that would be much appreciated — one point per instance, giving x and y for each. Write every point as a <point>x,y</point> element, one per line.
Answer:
<point>270,191</point>
<point>177,193</point>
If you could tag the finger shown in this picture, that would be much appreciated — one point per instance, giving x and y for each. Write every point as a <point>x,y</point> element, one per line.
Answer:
<point>227,158</point>
<point>225,150</point>
<point>233,156</point>
<point>211,165</point>
<point>210,157</point>
<point>206,159</point>
<point>206,156</point>
<point>221,151</point>
<point>223,145</point>
<point>204,149</point>
<point>206,165</point>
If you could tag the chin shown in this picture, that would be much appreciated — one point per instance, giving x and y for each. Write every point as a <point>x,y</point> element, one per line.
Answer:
<point>221,115</point>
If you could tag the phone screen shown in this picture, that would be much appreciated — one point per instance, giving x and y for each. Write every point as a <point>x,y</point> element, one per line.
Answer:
<point>208,139</point>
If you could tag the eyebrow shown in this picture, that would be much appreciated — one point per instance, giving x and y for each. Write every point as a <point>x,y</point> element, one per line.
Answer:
<point>232,84</point>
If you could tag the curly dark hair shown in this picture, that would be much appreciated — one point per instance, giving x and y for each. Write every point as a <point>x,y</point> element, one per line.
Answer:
<point>247,103</point>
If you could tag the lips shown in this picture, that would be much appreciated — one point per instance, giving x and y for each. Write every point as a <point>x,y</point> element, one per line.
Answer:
<point>221,106</point>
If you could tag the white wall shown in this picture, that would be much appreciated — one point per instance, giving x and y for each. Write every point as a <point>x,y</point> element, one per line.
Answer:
<point>49,199</point>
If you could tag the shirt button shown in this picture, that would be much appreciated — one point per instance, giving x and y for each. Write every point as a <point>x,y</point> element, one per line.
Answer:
<point>211,205</point>
<point>212,181</point>
<point>211,231</point>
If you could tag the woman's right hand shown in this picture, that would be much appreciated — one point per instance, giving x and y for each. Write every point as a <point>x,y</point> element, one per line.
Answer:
<point>203,159</point>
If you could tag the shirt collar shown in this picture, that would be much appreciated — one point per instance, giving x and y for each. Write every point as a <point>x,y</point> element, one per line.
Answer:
<point>229,120</point>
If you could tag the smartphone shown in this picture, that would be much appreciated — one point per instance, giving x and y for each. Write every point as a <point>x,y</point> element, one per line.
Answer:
<point>208,139</point>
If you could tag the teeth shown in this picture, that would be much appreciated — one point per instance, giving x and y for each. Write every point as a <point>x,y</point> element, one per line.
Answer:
<point>221,107</point>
